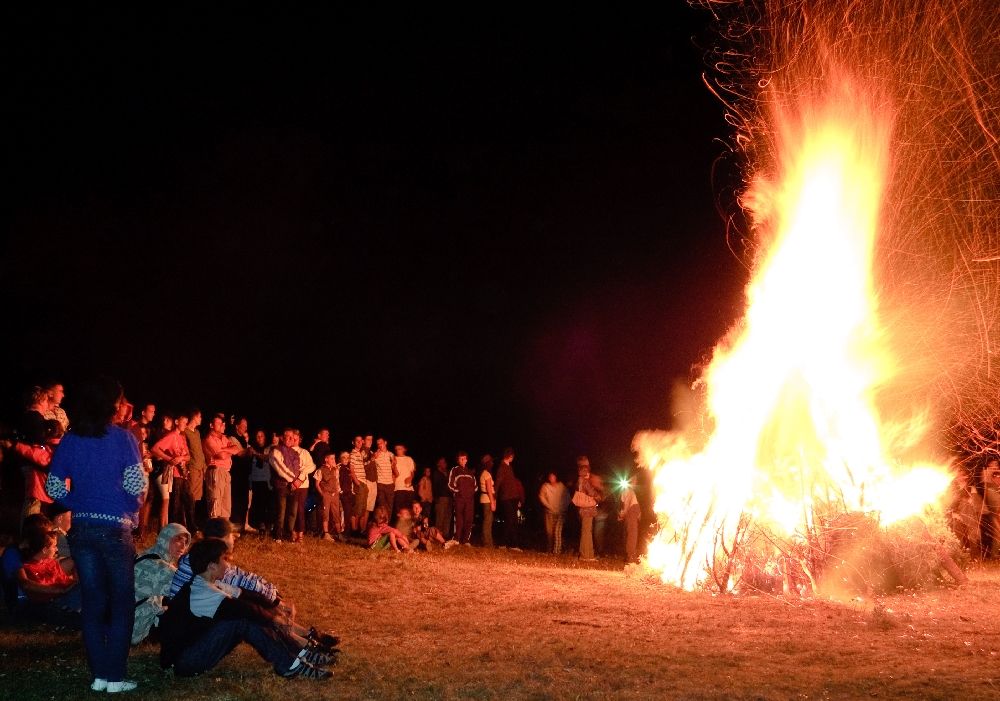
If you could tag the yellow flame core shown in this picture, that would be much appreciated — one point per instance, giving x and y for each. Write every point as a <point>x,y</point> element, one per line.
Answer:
<point>791,391</point>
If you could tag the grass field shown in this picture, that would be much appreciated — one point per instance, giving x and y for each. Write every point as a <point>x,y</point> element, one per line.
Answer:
<point>476,624</point>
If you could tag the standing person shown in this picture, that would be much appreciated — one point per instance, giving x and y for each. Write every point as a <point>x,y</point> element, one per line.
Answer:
<point>97,474</point>
<point>990,517</point>
<point>487,498</point>
<point>425,491</point>
<point>56,395</point>
<point>462,484</point>
<point>172,452</point>
<point>586,498</point>
<point>555,500</point>
<point>258,516</point>
<point>33,462</point>
<point>359,515</point>
<point>145,419</point>
<point>630,513</point>
<point>371,475</point>
<point>328,486</point>
<point>442,498</point>
<point>219,449</point>
<point>320,446</point>
<point>508,494</point>
<point>346,490</point>
<point>292,466</point>
<point>240,474</point>
<point>385,475</point>
<point>402,495</point>
<point>196,472</point>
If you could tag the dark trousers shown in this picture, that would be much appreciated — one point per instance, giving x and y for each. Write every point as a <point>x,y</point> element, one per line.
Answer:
<point>297,515</point>
<point>260,504</point>
<point>465,514</point>
<point>508,512</point>
<point>442,515</point>
<point>383,497</point>
<point>282,491</point>
<point>182,505</point>
<point>105,557</point>
<point>219,640</point>
<point>240,475</point>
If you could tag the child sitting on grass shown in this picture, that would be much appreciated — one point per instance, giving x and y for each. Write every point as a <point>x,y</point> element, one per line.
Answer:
<point>382,536</point>
<point>45,579</point>
<point>427,536</point>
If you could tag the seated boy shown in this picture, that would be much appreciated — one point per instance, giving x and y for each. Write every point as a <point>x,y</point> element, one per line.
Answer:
<point>236,576</point>
<point>209,618</point>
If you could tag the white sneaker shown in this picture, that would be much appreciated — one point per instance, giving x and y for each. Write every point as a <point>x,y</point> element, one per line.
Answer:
<point>124,685</point>
<point>99,685</point>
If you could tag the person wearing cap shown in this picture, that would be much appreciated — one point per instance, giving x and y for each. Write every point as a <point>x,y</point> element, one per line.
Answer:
<point>589,493</point>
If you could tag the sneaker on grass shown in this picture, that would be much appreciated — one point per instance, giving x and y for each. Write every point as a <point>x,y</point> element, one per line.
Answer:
<point>303,670</point>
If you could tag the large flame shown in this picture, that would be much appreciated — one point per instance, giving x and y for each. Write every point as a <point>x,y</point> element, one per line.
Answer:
<point>793,425</point>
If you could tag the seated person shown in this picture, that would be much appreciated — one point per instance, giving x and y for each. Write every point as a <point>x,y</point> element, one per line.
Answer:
<point>154,572</point>
<point>404,523</point>
<point>382,536</point>
<point>61,522</point>
<point>208,618</point>
<point>45,579</point>
<point>14,596</point>
<point>223,529</point>
<point>427,536</point>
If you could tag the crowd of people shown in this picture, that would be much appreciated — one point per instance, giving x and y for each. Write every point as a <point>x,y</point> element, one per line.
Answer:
<point>271,483</point>
<point>94,487</point>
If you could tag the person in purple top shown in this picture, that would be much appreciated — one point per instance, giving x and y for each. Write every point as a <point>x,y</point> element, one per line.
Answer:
<point>106,484</point>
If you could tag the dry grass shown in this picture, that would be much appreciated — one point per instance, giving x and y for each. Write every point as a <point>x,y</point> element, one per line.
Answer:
<point>479,624</point>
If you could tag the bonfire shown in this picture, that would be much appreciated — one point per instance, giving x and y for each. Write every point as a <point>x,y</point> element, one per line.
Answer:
<point>813,461</point>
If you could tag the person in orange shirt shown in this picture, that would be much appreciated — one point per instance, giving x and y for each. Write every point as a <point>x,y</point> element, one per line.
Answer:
<point>219,452</point>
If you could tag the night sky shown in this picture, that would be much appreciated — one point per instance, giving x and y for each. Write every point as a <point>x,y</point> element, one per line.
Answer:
<point>460,232</point>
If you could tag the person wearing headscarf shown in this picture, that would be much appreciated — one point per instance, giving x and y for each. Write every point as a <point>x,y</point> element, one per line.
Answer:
<point>154,571</point>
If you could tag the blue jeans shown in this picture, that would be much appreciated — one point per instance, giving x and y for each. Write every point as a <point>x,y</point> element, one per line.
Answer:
<point>219,640</point>
<point>104,555</point>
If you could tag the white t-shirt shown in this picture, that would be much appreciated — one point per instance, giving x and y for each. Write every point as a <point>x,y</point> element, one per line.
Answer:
<point>405,467</point>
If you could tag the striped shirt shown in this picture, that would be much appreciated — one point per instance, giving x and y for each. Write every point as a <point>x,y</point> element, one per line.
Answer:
<point>234,575</point>
<point>358,464</point>
<point>383,463</point>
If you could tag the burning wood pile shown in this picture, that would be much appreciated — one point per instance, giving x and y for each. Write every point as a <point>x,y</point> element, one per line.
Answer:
<point>813,458</point>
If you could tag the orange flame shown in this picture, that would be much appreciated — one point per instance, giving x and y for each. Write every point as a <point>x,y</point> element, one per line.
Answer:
<point>791,391</point>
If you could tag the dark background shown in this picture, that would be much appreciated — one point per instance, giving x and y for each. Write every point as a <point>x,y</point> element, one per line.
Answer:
<point>454,231</point>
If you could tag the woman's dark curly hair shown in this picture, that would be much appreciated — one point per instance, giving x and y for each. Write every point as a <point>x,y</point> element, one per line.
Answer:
<point>95,405</point>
